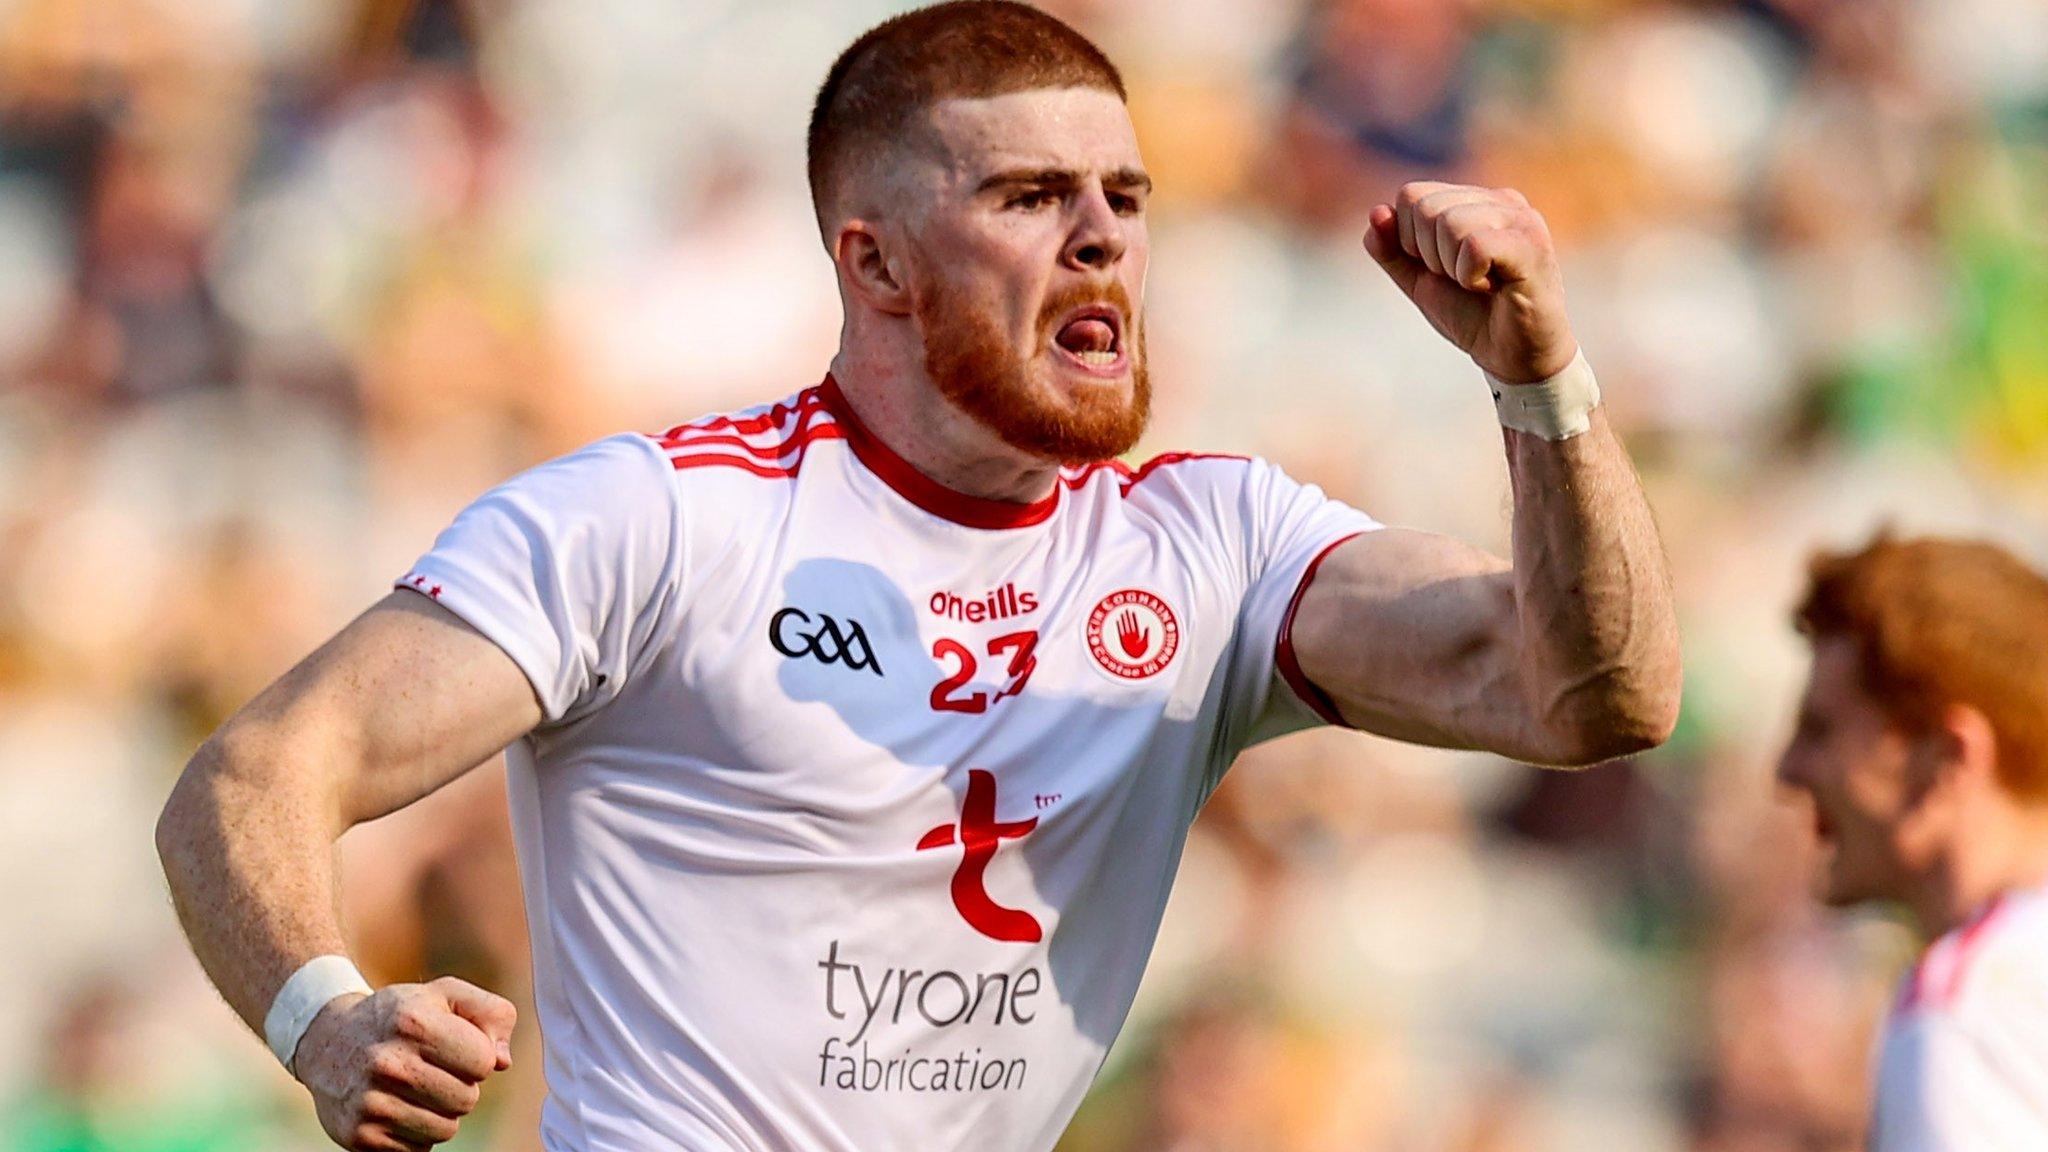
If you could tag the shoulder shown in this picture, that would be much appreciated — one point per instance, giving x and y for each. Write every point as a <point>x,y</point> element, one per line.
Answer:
<point>1213,491</point>
<point>764,442</point>
<point>1185,495</point>
<point>1189,469</point>
<point>1965,1055</point>
<point>1168,480</point>
<point>1989,969</point>
<point>645,480</point>
<point>2009,969</point>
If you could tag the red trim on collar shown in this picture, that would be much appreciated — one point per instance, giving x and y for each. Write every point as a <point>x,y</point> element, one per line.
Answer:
<point>904,478</point>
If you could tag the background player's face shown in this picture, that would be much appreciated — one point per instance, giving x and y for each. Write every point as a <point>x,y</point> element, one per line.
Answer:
<point>1865,779</point>
<point>1028,255</point>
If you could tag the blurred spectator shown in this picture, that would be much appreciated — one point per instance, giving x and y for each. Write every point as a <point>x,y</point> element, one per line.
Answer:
<point>103,1089</point>
<point>1380,93</point>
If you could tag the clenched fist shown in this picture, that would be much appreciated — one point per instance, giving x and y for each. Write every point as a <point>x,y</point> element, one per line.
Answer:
<point>397,1071</point>
<point>1479,264</point>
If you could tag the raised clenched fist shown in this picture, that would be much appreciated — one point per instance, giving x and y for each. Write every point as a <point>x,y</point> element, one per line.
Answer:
<point>1480,265</point>
<point>397,1071</point>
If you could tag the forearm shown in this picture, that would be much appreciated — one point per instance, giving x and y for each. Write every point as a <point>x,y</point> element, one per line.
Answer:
<point>247,840</point>
<point>1585,656</point>
<point>250,863</point>
<point>1598,635</point>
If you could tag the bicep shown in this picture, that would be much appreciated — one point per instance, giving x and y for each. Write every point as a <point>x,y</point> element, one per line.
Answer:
<point>400,702</point>
<point>1412,635</point>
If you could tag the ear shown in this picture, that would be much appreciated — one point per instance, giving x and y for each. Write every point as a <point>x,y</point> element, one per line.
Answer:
<point>1956,755</point>
<point>870,269</point>
<point>1969,744</point>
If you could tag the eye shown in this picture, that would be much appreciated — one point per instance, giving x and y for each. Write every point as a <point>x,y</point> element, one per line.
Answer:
<point>1031,201</point>
<point>1126,205</point>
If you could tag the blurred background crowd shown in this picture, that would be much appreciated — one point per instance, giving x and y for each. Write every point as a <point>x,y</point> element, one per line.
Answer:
<point>285,283</point>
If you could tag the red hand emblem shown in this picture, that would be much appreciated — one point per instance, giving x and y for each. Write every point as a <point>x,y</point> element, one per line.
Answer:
<point>1131,635</point>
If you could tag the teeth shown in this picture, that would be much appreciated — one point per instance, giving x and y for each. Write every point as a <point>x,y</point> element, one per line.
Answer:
<point>1096,359</point>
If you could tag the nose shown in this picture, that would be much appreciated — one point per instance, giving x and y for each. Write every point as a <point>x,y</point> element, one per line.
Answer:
<point>1098,239</point>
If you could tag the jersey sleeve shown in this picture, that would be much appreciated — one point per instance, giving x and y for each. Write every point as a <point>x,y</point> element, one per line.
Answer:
<point>1940,1090</point>
<point>1965,1057</point>
<point>1289,528</point>
<point>573,568</point>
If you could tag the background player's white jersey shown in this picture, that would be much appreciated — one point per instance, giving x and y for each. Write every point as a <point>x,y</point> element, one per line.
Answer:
<point>857,801</point>
<point>1965,1063</point>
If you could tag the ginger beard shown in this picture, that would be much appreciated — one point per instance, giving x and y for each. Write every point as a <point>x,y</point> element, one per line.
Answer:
<point>970,360</point>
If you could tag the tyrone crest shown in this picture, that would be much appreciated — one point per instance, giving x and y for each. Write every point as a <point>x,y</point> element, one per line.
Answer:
<point>1133,634</point>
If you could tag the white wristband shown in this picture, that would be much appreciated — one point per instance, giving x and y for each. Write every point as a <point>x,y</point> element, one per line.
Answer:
<point>317,981</point>
<point>1556,409</point>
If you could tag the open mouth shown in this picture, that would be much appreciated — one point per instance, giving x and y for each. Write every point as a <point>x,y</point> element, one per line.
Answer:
<point>1093,338</point>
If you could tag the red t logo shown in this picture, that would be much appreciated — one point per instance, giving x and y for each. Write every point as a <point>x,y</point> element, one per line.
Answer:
<point>979,831</point>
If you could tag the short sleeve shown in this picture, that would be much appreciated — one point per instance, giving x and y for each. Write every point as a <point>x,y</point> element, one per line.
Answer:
<point>1290,527</point>
<point>572,568</point>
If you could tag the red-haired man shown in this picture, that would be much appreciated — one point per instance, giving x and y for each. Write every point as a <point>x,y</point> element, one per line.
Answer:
<point>1922,745</point>
<point>856,736</point>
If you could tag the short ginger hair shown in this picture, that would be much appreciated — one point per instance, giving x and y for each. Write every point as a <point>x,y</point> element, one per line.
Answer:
<point>965,49</point>
<point>1940,622</point>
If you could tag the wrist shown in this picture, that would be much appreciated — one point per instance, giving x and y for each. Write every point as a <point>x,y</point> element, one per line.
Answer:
<point>304,997</point>
<point>1557,407</point>
<point>1539,367</point>
<point>321,1037</point>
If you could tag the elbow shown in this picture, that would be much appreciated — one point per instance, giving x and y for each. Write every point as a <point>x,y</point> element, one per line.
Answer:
<point>1622,734</point>
<point>222,785</point>
<point>191,808</point>
<point>1624,714</point>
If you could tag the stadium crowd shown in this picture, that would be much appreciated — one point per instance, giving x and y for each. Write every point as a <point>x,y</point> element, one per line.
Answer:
<point>285,284</point>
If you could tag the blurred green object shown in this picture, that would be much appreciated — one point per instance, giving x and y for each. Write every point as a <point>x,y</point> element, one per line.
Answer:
<point>1997,366</point>
<point>1980,389</point>
<point>46,1122</point>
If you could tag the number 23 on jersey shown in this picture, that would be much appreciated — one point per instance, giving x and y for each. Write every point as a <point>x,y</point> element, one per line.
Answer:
<point>1015,647</point>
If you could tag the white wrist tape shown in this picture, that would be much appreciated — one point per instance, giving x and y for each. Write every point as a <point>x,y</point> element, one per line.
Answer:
<point>1556,409</point>
<point>317,981</point>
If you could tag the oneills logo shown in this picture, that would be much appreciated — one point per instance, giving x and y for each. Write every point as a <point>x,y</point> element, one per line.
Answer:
<point>1000,604</point>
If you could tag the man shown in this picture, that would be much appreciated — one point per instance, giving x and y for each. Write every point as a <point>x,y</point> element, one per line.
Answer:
<point>1922,745</point>
<point>855,737</point>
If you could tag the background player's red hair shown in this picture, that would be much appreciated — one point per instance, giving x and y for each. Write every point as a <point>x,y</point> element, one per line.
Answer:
<point>1943,622</point>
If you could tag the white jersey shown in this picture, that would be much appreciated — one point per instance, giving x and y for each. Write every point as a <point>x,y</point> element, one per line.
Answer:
<point>857,801</point>
<point>1965,1060</point>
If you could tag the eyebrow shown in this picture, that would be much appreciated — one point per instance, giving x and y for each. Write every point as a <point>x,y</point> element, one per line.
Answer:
<point>1122,179</point>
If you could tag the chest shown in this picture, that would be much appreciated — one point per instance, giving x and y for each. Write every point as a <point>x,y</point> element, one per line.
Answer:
<point>849,670</point>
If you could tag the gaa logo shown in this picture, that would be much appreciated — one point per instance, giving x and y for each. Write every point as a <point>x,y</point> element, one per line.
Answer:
<point>796,633</point>
<point>1132,634</point>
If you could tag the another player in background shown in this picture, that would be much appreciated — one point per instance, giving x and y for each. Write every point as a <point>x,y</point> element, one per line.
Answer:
<point>855,737</point>
<point>1922,745</point>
